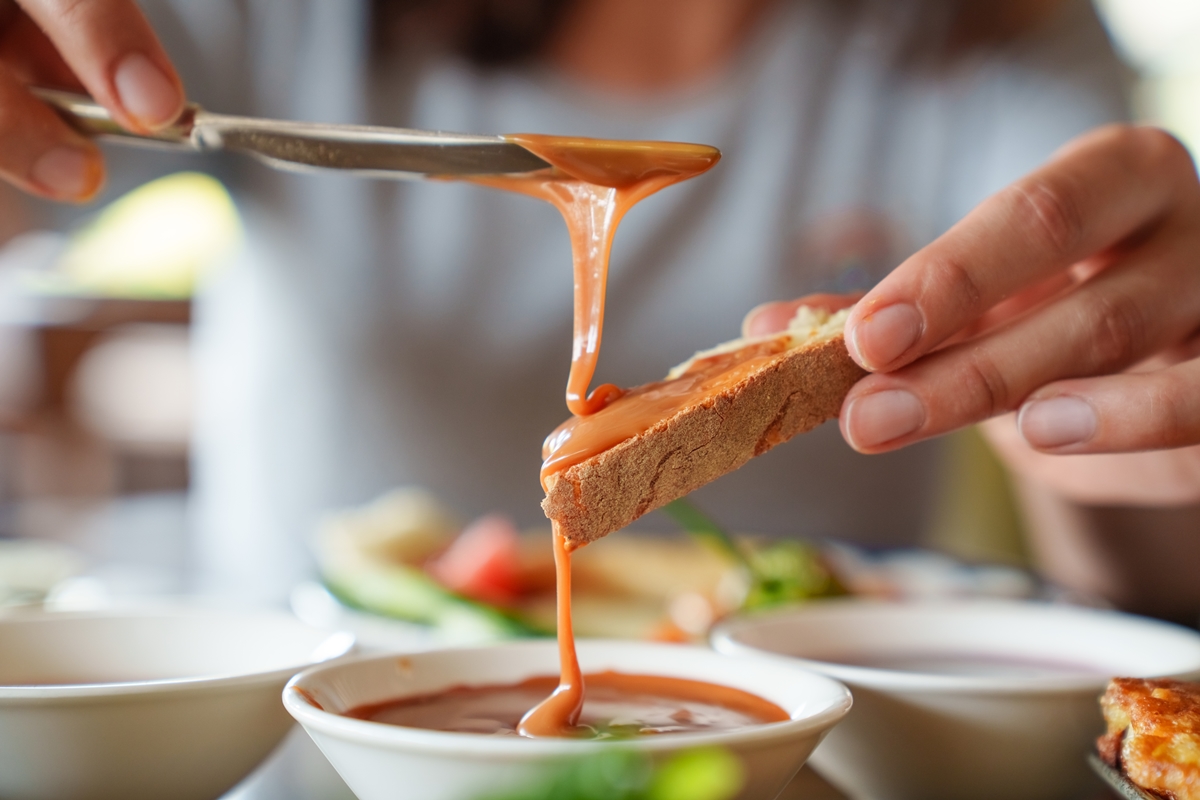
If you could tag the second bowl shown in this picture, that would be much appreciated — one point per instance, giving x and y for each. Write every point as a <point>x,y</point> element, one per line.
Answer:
<point>141,705</point>
<point>968,699</point>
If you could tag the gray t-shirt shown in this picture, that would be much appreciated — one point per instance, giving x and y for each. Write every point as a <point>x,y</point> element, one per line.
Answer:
<point>373,334</point>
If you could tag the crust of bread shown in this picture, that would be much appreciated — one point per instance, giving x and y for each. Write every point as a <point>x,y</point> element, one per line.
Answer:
<point>792,394</point>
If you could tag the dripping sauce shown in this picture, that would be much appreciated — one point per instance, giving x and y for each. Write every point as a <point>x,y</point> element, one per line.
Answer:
<point>593,183</point>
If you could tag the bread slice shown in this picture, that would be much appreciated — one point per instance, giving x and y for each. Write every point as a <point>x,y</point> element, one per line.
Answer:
<point>793,392</point>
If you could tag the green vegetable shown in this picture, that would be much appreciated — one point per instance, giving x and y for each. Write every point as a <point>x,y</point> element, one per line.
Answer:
<point>408,593</point>
<point>787,571</point>
<point>708,773</point>
<point>780,572</point>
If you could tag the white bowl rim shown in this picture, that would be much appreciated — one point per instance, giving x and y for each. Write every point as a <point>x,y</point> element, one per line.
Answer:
<point>723,639</point>
<point>15,694</point>
<point>376,734</point>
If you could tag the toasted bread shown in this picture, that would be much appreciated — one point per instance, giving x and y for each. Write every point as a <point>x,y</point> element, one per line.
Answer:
<point>793,392</point>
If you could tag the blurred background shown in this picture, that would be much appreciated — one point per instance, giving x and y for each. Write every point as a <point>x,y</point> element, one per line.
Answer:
<point>96,373</point>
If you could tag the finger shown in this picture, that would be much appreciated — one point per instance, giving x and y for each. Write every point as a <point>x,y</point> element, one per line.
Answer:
<point>1106,325</point>
<point>1116,413</point>
<point>112,49</point>
<point>1152,477</point>
<point>1016,306</point>
<point>31,56</point>
<point>1108,186</point>
<point>773,317</point>
<point>39,153</point>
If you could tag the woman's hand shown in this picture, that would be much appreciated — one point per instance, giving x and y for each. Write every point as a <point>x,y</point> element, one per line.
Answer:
<point>103,47</point>
<point>1071,298</point>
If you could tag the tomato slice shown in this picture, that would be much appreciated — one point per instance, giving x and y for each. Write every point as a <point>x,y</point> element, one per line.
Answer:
<point>483,563</point>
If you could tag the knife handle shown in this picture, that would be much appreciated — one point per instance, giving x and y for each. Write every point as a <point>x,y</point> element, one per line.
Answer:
<point>92,119</point>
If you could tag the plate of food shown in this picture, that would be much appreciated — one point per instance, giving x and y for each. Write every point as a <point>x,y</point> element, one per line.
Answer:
<point>405,565</point>
<point>1151,747</point>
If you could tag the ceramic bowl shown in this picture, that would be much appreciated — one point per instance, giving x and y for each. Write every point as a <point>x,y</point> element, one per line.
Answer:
<point>374,758</point>
<point>177,703</point>
<point>971,699</point>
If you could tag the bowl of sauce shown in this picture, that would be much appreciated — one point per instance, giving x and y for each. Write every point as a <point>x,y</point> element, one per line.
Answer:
<point>452,724</point>
<point>175,702</point>
<point>953,699</point>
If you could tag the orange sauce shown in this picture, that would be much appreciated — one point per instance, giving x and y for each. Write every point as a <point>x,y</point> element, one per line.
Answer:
<point>641,408</point>
<point>558,714</point>
<point>592,183</point>
<point>618,705</point>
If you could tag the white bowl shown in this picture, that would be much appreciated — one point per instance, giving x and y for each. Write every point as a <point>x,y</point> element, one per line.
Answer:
<point>374,758</point>
<point>1017,731</point>
<point>178,704</point>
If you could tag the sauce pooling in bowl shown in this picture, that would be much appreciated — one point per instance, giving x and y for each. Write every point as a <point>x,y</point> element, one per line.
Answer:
<point>617,706</point>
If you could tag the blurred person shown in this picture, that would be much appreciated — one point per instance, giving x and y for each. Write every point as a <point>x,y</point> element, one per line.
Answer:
<point>373,334</point>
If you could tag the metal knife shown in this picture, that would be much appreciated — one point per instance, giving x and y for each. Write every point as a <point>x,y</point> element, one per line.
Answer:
<point>360,149</point>
<point>1117,779</point>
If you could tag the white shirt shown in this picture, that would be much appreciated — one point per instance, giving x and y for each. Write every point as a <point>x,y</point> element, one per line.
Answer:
<point>374,334</point>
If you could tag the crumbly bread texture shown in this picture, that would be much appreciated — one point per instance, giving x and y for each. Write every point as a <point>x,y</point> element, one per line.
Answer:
<point>1154,734</point>
<point>793,393</point>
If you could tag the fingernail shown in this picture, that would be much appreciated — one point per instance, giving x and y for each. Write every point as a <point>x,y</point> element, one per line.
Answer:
<point>146,92</point>
<point>67,172</point>
<point>884,335</point>
<point>1057,422</point>
<point>875,419</point>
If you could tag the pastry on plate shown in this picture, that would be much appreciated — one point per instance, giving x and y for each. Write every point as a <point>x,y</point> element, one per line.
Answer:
<point>1153,734</point>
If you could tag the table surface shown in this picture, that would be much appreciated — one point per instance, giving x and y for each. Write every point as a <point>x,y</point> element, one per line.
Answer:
<point>298,771</point>
<point>134,538</point>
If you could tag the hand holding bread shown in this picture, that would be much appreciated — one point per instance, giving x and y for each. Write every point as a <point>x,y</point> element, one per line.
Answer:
<point>1067,305</point>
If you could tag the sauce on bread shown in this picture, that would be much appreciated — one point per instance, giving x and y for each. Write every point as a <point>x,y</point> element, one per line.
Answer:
<point>696,381</point>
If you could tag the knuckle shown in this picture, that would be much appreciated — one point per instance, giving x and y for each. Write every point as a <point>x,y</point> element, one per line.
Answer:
<point>949,279</point>
<point>1172,425</point>
<point>1173,410</point>
<point>987,385</point>
<point>69,9</point>
<point>1116,329</point>
<point>1050,209</point>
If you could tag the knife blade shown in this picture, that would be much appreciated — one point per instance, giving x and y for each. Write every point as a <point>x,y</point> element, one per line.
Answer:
<point>366,150</point>
<point>1118,781</point>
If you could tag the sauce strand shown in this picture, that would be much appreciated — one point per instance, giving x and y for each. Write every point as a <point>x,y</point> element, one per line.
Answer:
<point>558,714</point>
<point>592,183</point>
